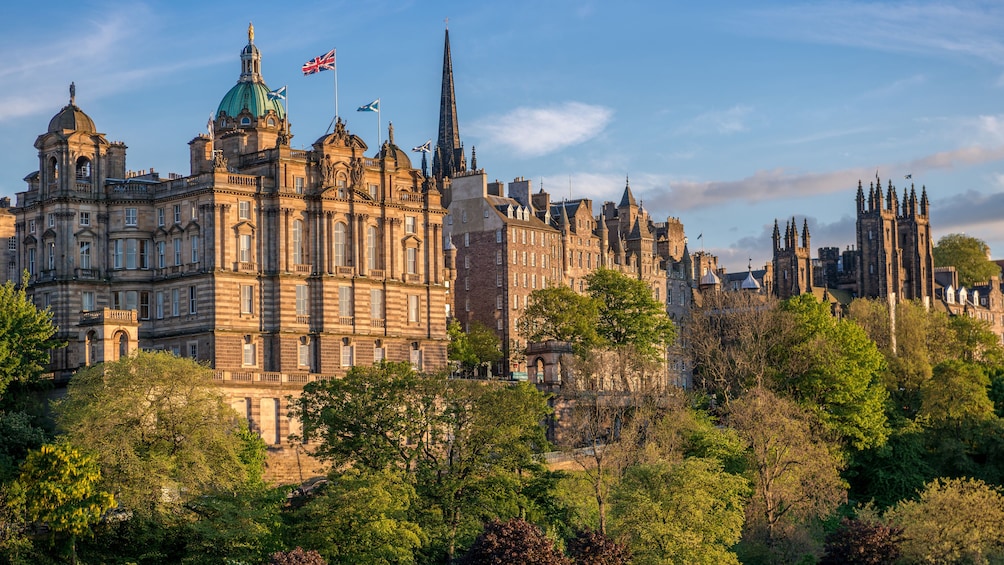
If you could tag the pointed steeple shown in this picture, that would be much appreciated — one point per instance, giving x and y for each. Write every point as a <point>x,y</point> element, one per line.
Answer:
<point>776,236</point>
<point>449,158</point>
<point>923,200</point>
<point>861,198</point>
<point>474,158</point>
<point>805,233</point>
<point>628,198</point>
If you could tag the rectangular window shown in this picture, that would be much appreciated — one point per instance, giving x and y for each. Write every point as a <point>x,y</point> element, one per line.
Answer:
<point>160,217</point>
<point>195,248</point>
<point>195,211</point>
<point>12,243</point>
<point>85,255</point>
<point>161,259</point>
<point>85,218</point>
<point>413,309</point>
<point>131,217</point>
<point>177,251</point>
<point>51,219</point>
<point>347,355</point>
<point>193,301</point>
<point>244,248</point>
<point>303,354</point>
<point>498,256</point>
<point>193,349</point>
<point>31,226</point>
<point>52,256</point>
<point>176,209</point>
<point>301,300</point>
<point>117,254</point>
<point>467,261</point>
<point>412,265</point>
<point>31,261</point>
<point>249,353</point>
<point>247,299</point>
<point>345,301</point>
<point>409,224</point>
<point>376,304</point>
<point>144,255</point>
<point>243,210</point>
<point>131,251</point>
<point>298,184</point>
<point>498,302</point>
<point>160,305</point>
<point>467,240</point>
<point>87,301</point>
<point>144,306</point>
<point>175,302</point>
<point>379,353</point>
<point>498,279</point>
<point>498,235</point>
<point>373,191</point>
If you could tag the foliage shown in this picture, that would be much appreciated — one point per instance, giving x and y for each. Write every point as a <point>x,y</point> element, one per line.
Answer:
<point>590,547</point>
<point>18,436</point>
<point>561,314</point>
<point>969,256</point>
<point>835,370</point>
<point>628,315</point>
<point>15,543</point>
<point>975,341</point>
<point>480,345</point>
<point>894,471</point>
<point>26,336</point>
<point>513,541</point>
<point>159,428</point>
<point>362,516</point>
<point>859,542</point>
<point>956,395</point>
<point>690,512</point>
<point>953,521</point>
<point>297,556</point>
<point>795,473</point>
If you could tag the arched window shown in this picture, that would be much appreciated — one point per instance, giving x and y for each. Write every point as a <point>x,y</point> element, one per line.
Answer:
<point>297,242</point>
<point>83,168</point>
<point>340,246</point>
<point>53,169</point>
<point>245,121</point>
<point>271,122</point>
<point>123,341</point>
<point>371,247</point>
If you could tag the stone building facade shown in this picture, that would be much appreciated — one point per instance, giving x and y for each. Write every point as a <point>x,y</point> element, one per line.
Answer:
<point>271,264</point>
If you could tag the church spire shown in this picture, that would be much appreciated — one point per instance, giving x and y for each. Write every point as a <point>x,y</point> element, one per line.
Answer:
<point>449,157</point>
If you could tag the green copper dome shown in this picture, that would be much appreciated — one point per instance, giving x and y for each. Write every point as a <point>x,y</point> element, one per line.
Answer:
<point>250,95</point>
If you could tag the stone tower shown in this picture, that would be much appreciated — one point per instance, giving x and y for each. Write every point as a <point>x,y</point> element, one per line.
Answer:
<point>792,262</point>
<point>448,159</point>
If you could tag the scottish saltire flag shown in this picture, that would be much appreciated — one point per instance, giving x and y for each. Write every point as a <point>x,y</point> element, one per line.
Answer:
<point>277,94</point>
<point>373,106</point>
<point>325,62</point>
<point>910,176</point>
<point>423,148</point>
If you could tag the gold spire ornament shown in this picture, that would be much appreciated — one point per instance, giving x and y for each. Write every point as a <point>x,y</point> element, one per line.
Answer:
<point>250,32</point>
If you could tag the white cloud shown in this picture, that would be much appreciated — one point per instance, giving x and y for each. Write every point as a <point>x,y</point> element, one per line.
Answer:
<point>732,120</point>
<point>533,132</point>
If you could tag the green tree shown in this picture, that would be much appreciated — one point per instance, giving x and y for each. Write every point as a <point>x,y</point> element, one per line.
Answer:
<point>628,314</point>
<point>61,489</point>
<point>479,346</point>
<point>957,395</point>
<point>690,512</point>
<point>953,521</point>
<point>560,313</point>
<point>159,427</point>
<point>362,517</point>
<point>969,256</point>
<point>836,371</point>
<point>26,336</point>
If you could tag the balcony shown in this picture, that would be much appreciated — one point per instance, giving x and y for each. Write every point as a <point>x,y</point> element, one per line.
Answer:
<point>301,319</point>
<point>87,274</point>
<point>245,267</point>
<point>305,269</point>
<point>96,317</point>
<point>344,270</point>
<point>345,320</point>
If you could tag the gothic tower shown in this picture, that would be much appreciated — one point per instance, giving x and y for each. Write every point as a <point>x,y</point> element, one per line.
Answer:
<point>448,159</point>
<point>792,261</point>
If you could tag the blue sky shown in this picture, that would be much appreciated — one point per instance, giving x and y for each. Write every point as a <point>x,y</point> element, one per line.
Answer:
<point>724,114</point>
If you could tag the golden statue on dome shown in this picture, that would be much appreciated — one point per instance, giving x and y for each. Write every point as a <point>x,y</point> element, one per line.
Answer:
<point>250,32</point>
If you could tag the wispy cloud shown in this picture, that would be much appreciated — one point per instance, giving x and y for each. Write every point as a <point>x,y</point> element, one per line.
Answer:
<point>729,121</point>
<point>971,29</point>
<point>533,132</point>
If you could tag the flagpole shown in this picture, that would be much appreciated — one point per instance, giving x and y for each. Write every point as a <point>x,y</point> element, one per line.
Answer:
<point>336,90</point>
<point>378,122</point>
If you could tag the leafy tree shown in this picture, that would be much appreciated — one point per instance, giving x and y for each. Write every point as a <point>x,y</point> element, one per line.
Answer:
<point>953,521</point>
<point>894,471</point>
<point>590,547</point>
<point>18,436</point>
<point>690,512</point>
<point>61,489</point>
<point>479,346</point>
<point>297,556</point>
<point>970,257</point>
<point>159,428</point>
<point>956,395</point>
<point>835,370</point>
<point>561,314</point>
<point>628,315</point>
<point>860,542</point>
<point>513,541</point>
<point>26,336</point>
<point>795,473</point>
<point>362,517</point>
<point>975,341</point>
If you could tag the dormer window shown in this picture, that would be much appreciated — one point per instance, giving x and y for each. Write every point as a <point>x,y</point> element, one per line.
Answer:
<point>271,122</point>
<point>245,121</point>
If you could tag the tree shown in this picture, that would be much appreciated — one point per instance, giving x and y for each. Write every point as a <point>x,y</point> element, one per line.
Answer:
<point>957,395</point>
<point>590,547</point>
<point>953,521</point>
<point>969,256</point>
<point>513,541</point>
<point>690,512</point>
<point>160,430</point>
<point>297,556</point>
<point>628,315</point>
<point>362,516</point>
<point>795,473</point>
<point>477,347</point>
<point>26,336</point>
<point>560,313</point>
<point>860,542</point>
<point>61,490</point>
<point>836,371</point>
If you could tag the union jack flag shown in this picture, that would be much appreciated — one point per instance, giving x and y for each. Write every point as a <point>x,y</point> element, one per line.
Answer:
<point>325,62</point>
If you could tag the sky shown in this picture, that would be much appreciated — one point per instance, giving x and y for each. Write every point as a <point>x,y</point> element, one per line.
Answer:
<point>727,115</point>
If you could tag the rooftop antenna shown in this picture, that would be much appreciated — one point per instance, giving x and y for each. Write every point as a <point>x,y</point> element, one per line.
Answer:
<point>569,186</point>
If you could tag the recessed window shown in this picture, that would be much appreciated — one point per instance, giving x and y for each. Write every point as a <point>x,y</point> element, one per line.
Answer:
<point>244,210</point>
<point>177,213</point>
<point>85,218</point>
<point>409,224</point>
<point>131,217</point>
